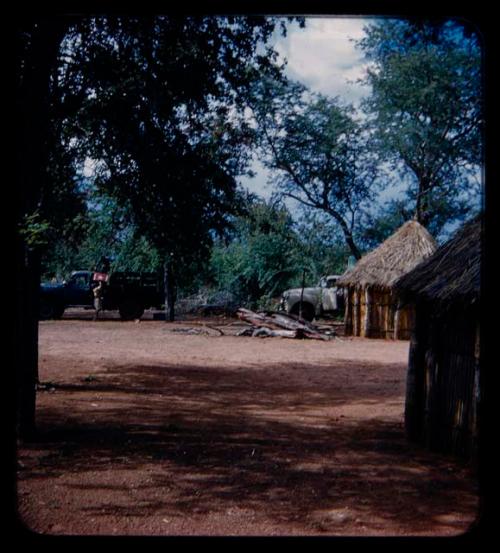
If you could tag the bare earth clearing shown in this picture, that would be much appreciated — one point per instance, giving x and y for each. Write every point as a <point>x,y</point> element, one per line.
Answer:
<point>146,429</point>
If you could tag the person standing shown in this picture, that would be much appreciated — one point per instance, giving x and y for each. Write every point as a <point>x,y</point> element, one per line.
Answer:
<point>98,294</point>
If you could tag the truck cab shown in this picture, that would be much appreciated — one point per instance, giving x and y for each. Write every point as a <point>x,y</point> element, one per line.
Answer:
<point>128,292</point>
<point>75,292</point>
<point>325,298</point>
<point>329,293</point>
<point>78,289</point>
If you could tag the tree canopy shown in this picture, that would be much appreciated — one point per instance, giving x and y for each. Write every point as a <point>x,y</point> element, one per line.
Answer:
<point>425,111</point>
<point>317,151</point>
<point>161,108</point>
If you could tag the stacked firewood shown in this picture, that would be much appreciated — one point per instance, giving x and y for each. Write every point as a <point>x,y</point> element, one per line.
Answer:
<point>280,324</point>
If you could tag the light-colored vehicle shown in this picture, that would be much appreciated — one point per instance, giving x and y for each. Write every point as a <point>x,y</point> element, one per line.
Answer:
<point>325,298</point>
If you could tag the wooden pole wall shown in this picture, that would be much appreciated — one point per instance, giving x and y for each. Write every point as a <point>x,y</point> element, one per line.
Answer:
<point>356,314</point>
<point>368,313</point>
<point>348,311</point>
<point>443,380</point>
<point>371,312</point>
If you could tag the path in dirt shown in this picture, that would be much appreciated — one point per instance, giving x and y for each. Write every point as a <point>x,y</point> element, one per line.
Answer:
<point>148,430</point>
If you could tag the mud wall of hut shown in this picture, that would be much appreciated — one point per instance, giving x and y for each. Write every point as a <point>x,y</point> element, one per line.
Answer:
<point>375,313</point>
<point>443,381</point>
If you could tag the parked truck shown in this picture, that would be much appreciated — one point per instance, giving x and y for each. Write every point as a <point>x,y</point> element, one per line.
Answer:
<point>128,292</point>
<point>324,299</point>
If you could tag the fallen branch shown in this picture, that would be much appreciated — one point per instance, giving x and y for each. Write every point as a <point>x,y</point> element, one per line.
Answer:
<point>264,332</point>
<point>202,329</point>
<point>216,329</point>
<point>276,321</point>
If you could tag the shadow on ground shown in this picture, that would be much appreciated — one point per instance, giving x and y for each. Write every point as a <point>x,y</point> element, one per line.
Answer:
<point>214,439</point>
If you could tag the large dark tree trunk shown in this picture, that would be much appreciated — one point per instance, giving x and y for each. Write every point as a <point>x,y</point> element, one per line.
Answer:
<point>37,53</point>
<point>352,246</point>
<point>26,341</point>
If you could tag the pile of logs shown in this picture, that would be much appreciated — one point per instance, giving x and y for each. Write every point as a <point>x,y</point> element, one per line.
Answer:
<point>283,325</point>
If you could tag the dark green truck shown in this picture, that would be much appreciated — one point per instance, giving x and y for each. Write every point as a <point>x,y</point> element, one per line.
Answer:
<point>128,292</point>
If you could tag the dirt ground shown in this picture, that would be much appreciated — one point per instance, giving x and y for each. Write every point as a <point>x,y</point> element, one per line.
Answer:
<point>172,429</point>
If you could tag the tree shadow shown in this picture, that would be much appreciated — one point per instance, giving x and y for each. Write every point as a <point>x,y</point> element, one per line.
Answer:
<point>217,438</point>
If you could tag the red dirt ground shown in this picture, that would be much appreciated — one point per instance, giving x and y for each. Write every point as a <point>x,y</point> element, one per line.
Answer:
<point>147,429</point>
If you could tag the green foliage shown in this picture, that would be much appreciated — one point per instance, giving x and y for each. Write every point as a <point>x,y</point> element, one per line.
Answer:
<point>379,225</point>
<point>34,230</point>
<point>267,253</point>
<point>261,259</point>
<point>425,111</point>
<point>136,254</point>
<point>104,231</point>
<point>62,206</point>
<point>321,246</point>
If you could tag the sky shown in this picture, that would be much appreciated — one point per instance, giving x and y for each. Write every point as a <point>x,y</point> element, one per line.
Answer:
<point>323,55</point>
<point>324,58</point>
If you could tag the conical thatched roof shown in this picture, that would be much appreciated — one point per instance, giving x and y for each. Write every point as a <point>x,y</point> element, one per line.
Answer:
<point>395,257</point>
<point>453,273</point>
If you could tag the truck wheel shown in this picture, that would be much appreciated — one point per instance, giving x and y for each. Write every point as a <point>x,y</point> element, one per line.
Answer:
<point>130,310</point>
<point>58,311</point>
<point>47,310</point>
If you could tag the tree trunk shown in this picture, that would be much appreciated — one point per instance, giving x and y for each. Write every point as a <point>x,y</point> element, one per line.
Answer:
<point>27,340</point>
<point>422,214</point>
<point>352,246</point>
<point>170,290</point>
<point>35,65</point>
<point>349,239</point>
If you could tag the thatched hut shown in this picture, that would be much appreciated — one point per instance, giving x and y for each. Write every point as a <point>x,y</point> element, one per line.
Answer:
<point>371,309</point>
<point>443,370</point>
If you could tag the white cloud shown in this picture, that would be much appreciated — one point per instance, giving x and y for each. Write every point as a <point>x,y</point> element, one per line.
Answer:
<point>323,56</point>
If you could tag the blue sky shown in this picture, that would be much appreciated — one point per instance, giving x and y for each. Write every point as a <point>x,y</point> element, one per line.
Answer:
<point>323,57</point>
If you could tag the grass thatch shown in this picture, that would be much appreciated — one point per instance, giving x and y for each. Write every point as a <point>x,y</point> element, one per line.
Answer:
<point>395,257</point>
<point>452,274</point>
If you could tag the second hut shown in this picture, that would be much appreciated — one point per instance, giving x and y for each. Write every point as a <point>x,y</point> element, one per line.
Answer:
<point>444,381</point>
<point>371,306</point>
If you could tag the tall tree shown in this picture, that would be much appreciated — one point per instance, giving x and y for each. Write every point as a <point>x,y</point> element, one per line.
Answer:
<point>90,75</point>
<point>426,111</point>
<point>316,151</point>
<point>164,113</point>
<point>38,44</point>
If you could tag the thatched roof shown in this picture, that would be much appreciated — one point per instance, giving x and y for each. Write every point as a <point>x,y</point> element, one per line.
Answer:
<point>453,273</point>
<point>395,257</point>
